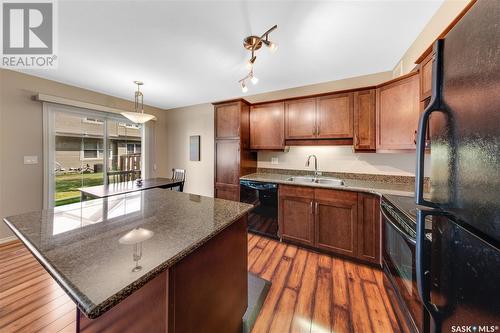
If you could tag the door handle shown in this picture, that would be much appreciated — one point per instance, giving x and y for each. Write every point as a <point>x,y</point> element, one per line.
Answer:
<point>435,104</point>
<point>423,265</point>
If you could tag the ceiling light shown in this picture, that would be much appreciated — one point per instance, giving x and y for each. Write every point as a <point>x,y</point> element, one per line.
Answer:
<point>254,79</point>
<point>253,43</point>
<point>138,116</point>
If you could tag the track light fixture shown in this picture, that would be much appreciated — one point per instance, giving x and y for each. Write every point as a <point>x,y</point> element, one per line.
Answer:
<point>253,43</point>
<point>250,76</point>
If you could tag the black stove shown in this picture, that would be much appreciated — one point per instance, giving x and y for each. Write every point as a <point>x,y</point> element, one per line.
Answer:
<point>406,208</point>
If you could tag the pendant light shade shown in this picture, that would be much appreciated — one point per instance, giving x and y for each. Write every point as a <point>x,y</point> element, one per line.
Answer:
<point>138,117</point>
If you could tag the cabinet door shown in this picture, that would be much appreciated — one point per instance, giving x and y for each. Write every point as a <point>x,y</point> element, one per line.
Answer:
<point>369,228</point>
<point>426,76</point>
<point>227,192</point>
<point>227,162</point>
<point>364,120</point>
<point>336,221</point>
<point>296,221</point>
<point>398,114</point>
<point>227,121</point>
<point>267,126</point>
<point>334,116</point>
<point>300,119</point>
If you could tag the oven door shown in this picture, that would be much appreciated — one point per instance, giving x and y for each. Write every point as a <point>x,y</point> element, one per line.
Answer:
<point>399,262</point>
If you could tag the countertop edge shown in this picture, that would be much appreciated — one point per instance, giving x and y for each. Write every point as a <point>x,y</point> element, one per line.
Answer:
<point>92,310</point>
<point>375,191</point>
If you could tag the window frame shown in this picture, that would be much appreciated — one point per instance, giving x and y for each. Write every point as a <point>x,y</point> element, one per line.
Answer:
<point>49,111</point>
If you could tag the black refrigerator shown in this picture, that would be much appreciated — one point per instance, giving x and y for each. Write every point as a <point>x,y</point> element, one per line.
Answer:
<point>458,271</point>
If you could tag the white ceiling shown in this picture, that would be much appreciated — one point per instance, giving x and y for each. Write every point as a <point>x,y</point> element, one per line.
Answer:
<point>189,52</point>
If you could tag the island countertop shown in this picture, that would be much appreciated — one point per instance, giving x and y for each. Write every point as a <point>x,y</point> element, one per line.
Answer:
<point>81,245</point>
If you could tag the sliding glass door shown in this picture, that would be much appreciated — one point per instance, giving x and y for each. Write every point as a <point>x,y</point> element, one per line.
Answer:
<point>86,148</point>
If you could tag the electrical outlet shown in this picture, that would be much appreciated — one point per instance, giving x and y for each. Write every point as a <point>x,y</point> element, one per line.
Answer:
<point>274,160</point>
<point>31,159</point>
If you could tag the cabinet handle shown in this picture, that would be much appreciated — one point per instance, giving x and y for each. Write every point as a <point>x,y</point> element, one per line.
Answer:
<point>415,137</point>
<point>317,130</point>
<point>356,140</point>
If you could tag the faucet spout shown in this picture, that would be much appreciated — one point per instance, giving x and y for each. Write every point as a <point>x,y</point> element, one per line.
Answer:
<point>316,173</point>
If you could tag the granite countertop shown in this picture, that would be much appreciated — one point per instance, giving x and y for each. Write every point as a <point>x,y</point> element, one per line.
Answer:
<point>82,245</point>
<point>357,185</point>
<point>101,191</point>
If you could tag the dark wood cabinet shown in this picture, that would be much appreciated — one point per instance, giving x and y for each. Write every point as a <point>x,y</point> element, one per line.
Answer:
<point>364,120</point>
<point>296,215</point>
<point>336,221</point>
<point>334,116</point>
<point>267,126</point>
<point>233,157</point>
<point>227,161</point>
<point>228,192</point>
<point>369,241</point>
<point>340,222</point>
<point>300,118</point>
<point>426,77</point>
<point>227,120</point>
<point>398,113</point>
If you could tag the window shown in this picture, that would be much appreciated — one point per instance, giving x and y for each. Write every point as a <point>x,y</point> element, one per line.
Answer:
<point>92,148</point>
<point>88,148</point>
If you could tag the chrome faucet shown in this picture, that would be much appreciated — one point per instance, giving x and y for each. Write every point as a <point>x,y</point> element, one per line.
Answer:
<point>316,173</point>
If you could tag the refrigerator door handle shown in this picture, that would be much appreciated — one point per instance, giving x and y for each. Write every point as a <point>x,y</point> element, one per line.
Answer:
<point>423,265</point>
<point>434,105</point>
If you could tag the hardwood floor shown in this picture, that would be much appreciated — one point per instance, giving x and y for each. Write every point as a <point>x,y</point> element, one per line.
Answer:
<point>310,292</point>
<point>30,300</point>
<point>313,292</point>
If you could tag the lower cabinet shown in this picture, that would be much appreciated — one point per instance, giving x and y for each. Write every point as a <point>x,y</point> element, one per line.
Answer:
<point>340,222</point>
<point>227,192</point>
<point>296,214</point>
<point>336,221</point>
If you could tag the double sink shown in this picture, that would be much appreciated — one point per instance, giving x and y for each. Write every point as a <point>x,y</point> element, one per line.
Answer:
<point>314,180</point>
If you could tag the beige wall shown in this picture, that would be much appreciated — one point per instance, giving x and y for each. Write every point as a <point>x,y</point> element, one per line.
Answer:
<point>437,24</point>
<point>21,133</point>
<point>181,124</point>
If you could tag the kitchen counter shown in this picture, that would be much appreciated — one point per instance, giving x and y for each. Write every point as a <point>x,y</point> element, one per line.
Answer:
<point>356,185</point>
<point>88,247</point>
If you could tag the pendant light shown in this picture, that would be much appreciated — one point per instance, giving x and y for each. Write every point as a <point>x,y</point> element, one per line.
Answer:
<point>138,116</point>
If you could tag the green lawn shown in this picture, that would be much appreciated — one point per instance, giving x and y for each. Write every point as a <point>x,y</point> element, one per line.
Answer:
<point>67,186</point>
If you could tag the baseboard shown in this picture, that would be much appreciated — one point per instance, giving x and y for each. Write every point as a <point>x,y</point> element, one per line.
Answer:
<point>7,239</point>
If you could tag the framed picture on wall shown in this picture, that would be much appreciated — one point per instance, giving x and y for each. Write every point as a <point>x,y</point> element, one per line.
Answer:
<point>194,148</point>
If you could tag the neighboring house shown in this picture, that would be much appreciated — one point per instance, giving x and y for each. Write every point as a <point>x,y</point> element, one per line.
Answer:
<point>79,143</point>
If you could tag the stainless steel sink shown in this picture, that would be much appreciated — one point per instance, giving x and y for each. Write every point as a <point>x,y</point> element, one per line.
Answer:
<point>323,180</point>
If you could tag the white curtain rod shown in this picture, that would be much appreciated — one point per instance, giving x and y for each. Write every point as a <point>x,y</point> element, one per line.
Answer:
<point>78,104</point>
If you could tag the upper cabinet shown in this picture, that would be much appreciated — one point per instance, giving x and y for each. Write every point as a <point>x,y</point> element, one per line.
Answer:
<point>325,117</point>
<point>334,118</point>
<point>300,119</point>
<point>267,126</point>
<point>364,120</point>
<point>426,77</point>
<point>227,120</point>
<point>398,113</point>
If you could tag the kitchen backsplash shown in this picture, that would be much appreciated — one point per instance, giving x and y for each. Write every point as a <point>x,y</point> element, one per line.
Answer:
<point>342,159</point>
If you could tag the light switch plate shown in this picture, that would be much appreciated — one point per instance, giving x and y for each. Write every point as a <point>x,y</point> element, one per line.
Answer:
<point>274,160</point>
<point>31,159</point>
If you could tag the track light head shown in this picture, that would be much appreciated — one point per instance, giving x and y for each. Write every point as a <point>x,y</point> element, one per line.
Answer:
<point>244,88</point>
<point>254,79</point>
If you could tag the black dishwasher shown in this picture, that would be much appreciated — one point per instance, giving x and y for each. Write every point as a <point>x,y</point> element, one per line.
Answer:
<point>263,219</point>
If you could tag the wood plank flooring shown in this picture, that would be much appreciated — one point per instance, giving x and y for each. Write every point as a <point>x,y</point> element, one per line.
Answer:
<point>313,292</point>
<point>30,300</point>
<point>310,292</point>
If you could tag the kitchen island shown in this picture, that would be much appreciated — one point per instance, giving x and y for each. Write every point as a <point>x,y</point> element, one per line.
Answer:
<point>148,261</point>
